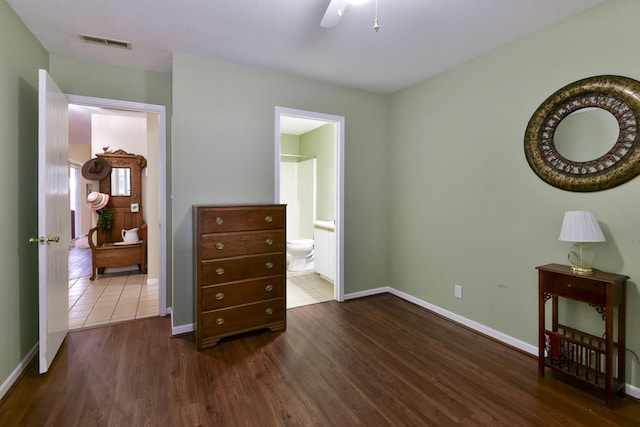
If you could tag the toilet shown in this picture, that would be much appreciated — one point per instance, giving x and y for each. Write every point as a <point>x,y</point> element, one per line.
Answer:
<point>301,254</point>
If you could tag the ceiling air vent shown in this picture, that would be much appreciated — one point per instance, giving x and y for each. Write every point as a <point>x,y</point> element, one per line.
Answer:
<point>105,42</point>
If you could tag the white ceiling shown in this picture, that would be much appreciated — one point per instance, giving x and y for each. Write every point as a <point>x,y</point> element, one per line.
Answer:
<point>417,38</point>
<point>80,121</point>
<point>298,125</point>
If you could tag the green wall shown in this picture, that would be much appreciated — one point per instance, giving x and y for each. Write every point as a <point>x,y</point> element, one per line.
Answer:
<point>20,58</point>
<point>223,152</point>
<point>79,77</point>
<point>320,143</point>
<point>289,144</point>
<point>466,207</point>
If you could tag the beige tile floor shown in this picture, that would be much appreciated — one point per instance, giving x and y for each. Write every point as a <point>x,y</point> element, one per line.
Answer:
<point>111,298</point>
<point>304,288</point>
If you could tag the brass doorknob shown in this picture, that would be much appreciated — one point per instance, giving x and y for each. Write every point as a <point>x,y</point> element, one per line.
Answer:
<point>42,240</point>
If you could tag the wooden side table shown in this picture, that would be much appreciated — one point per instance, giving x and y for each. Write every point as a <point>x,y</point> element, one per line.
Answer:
<point>595,361</point>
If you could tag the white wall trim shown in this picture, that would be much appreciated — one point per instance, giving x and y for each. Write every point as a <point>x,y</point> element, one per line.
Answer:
<point>182,329</point>
<point>22,366</point>
<point>161,110</point>
<point>507,339</point>
<point>368,292</point>
<point>631,390</point>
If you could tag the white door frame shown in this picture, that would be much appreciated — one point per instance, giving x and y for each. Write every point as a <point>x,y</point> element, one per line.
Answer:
<point>338,288</point>
<point>77,223</point>
<point>162,149</point>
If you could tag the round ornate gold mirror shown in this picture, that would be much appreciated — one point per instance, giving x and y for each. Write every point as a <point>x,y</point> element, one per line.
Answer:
<point>585,136</point>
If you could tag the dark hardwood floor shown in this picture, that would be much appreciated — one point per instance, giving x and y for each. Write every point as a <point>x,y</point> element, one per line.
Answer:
<point>375,361</point>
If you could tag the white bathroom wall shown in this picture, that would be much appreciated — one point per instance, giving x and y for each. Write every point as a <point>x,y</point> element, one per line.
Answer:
<point>306,197</point>
<point>297,191</point>
<point>289,196</point>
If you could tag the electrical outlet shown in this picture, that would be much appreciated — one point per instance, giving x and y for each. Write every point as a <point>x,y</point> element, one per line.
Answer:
<point>458,291</point>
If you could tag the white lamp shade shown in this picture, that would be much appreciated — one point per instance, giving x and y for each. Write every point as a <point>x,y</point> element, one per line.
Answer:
<point>580,226</point>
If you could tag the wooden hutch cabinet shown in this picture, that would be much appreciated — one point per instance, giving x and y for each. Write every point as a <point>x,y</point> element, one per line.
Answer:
<point>124,186</point>
<point>239,271</point>
<point>598,362</point>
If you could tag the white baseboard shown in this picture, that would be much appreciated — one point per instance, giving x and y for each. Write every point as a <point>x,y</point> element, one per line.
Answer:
<point>630,390</point>
<point>369,292</point>
<point>497,335</point>
<point>22,366</point>
<point>182,329</point>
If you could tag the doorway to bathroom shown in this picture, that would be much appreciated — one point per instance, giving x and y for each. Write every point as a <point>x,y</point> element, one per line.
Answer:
<point>309,180</point>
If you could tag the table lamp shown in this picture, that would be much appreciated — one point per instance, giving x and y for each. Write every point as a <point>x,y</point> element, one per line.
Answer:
<point>581,227</point>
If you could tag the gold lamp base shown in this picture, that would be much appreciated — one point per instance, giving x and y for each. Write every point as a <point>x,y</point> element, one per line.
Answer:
<point>581,270</point>
<point>581,259</point>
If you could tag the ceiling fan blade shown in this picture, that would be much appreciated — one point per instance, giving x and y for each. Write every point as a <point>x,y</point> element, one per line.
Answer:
<point>334,13</point>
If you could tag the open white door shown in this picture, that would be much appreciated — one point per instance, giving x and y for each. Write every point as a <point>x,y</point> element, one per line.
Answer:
<point>53,218</point>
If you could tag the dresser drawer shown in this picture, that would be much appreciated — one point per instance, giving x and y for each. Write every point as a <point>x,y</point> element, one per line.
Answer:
<point>242,318</point>
<point>576,288</point>
<point>225,245</point>
<point>218,220</point>
<point>237,293</point>
<point>239,268</point>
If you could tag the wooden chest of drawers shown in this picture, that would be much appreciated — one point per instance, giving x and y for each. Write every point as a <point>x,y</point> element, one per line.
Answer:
<point>239,271</point>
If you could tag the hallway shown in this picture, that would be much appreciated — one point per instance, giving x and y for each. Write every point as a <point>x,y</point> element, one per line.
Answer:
<point>111,298</point>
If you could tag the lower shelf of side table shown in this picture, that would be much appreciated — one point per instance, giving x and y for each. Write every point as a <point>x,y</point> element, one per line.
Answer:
<point>580,356</point>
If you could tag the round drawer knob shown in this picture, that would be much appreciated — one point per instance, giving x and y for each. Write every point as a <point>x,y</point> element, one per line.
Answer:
<point>268,311</point>
<point>269,265</point>
<point>219,296</point>
<point>268,242</point>
<point>268,218</point>
<point>268,288</point>
<point>219,321</point>
<point>219,246</point>
<point>219,271</point>
<point>219,220</point>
